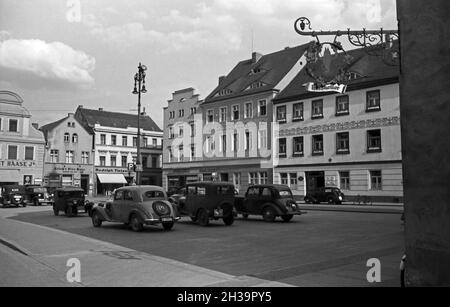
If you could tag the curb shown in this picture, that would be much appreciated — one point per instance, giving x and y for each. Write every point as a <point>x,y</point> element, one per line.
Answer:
<point>354,210</point>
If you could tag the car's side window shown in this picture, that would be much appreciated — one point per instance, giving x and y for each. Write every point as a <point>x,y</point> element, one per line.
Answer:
<point>128,195</point>
<point>201,191</point>
<point>192,191</point>
<point>253,192</point>
<point>119,195</point>
<point>266,192</point>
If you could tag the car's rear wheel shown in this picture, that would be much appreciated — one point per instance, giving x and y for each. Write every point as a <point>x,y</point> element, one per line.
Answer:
<point>269,214</point>
<point>168,225</point>
<point>96,219</point>
<point>287,218</point>
<point>136,224</point>
<point>203,218</point>
<point>55,210</point>
<point>228,220</point>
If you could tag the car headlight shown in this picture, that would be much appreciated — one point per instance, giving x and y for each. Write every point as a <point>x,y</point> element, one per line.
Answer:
<point>340,197</point>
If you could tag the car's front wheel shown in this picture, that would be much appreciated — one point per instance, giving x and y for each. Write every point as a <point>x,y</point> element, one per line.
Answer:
<point>96,219</point>
<point>168,225</point>
<point>269,214</point>
<point>287,218</point>
<point>228,220</point>
<point>203,218</point>
<point>36,202</point>
<point>136,224</point>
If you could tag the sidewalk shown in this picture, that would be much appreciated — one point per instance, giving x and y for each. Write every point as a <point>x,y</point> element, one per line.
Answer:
<point>387,208</point>
<point>47,251</point>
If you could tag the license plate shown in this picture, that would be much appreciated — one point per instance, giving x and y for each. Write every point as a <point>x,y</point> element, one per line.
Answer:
<point>167,219</point>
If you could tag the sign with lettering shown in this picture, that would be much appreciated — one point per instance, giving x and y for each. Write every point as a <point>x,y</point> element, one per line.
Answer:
<point>111,170</point>
<point>17,164</point>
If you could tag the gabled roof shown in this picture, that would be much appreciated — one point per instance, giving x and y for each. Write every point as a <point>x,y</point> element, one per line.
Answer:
<point>91,117</point>
<point>46,128</point>
<point>372,69</point>
<point>273,68</point>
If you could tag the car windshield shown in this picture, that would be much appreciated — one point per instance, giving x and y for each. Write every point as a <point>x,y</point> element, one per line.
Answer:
<point>72,194</point>
<point>150,195</point>
<point>225,190</point>
<point>285,193</point>
<point>40,190</point>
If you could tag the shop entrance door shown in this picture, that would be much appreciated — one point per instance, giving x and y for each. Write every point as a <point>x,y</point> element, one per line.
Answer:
<point>315,182</point>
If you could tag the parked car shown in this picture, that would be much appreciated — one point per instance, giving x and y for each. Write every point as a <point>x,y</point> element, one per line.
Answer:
<point>269,201</point>
<point>70,200</point>
<point>38,195</point>
<point>331,195</point>
<point>177,196</point>
<point>136,206</point>
<point>13,195</point>
<point>205,201</point>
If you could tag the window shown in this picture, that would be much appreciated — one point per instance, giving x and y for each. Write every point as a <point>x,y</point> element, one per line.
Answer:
<point>171,133</point>
<point>224,92</point>
<point>317,108</point>
<point>113,161</point>
<point>248,110</point>
<point>192,129</point>
<point>155,142</point>
<point>66,138</point>
<point>13,125</point>
<point>134,141</point>
<point>180,153</point>
<point>12,152</point>
<point>235,142</point>
<point>342,143</point>
<point>223,115</point>
<point>210,144</point>
<point>169,149</point>
<point>154,162</point>
<point>193,111</point>
<point>124,141</point>
<point>85,157</point>
<point>345,180</point>
<point>210,116</point>
<point>317,142</point>
<point>236,112</point>
<point>374,141</point>
<point>134,159</point>
<point>180,131</point>
<point>102,139</point>
<point>192,152</point>
<point>74,138</point>
<point>282,147</point>
<point>293,179</point>
<point>298,146</point>
<point>262,139</point>
<point>54,156</point>
<point>124,161</point>
<point>284,178</point>
<point>263,178</point>
<point>70,157</point>
<point>144,161</point>
<point>181,113</point>
<point>29,153</point>
<point>113,140</point>
<point>102,160</point>
<point>373,101</point>
<point>342,105</point>
<point>0,124</point>
<point>281,114</point>
<point>262,108</point>
<point>375,181</point>
<point>253,178</point>
<point>171,114</point>
<point>224,143</point>
<point>297,111</point>
<point>237,179</point>
<point>248,141</point>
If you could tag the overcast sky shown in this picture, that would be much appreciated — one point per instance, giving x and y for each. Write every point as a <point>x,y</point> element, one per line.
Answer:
<point>58,54</point>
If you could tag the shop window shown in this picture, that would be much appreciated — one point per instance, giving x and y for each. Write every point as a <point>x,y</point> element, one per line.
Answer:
<point>344,177</point>
<point>376,183</point>
<point>284,178</point>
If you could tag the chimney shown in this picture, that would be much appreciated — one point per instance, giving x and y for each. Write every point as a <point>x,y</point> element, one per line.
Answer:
<point>35,125</point>
<point>221,78</point>
<point>70,114</point>
<point>80,106</point>
<point>100,109</point>
<point>256,57</point>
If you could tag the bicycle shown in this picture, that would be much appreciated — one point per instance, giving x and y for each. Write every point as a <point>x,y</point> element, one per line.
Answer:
<point>362,200</point>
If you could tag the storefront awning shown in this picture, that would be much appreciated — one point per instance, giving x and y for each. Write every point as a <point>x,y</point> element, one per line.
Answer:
<point>112,178</point>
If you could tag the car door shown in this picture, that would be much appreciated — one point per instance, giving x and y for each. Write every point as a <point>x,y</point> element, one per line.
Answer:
<point>116,205</point>
<point>266,196</point>
<point>191,199</point>
<point>251,197</point>
<point>128,204</point>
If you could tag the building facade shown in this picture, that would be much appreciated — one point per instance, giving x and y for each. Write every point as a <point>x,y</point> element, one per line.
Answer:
<point>69,155</point>
<point>115,148</point>
<point>21,144</point>
<point>351,141</point>
<point>232,133</point>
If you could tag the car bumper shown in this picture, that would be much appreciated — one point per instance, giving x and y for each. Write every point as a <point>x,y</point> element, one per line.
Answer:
<point>160,220</point>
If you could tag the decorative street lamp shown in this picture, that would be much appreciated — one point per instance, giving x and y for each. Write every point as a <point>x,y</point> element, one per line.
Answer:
<point>139,87</point>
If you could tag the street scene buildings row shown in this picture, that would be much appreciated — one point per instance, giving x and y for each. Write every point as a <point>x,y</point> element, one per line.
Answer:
<point>92,149</point>
<point>261,125</point>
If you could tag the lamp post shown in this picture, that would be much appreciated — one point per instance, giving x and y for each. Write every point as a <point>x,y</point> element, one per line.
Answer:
<point>139,87</point>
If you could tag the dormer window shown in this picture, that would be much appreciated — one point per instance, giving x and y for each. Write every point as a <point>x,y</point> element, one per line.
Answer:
<point>224,92</point>
<point>255,85</point>
<point>351,75</point>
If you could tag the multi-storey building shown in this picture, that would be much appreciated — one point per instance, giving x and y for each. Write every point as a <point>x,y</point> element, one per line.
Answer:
<point>21,143</point>
<point>233,132</point>
<point>69,155</point>
<point>351,141</point>
<point>179,121</point>
<point>115,148</point>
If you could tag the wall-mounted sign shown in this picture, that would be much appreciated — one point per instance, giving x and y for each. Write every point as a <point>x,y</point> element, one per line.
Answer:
<point>27,179</point>
<point>111,170</point>
<point>16,164</point>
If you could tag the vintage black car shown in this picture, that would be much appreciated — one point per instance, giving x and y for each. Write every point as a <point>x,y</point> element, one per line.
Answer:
<point>70,200</point>
<point>269,201</point>
<point>205,201</point>
<point>13,195</point>
<point>136,206</point>
<point>38,195</point>
<point>331,195</point>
